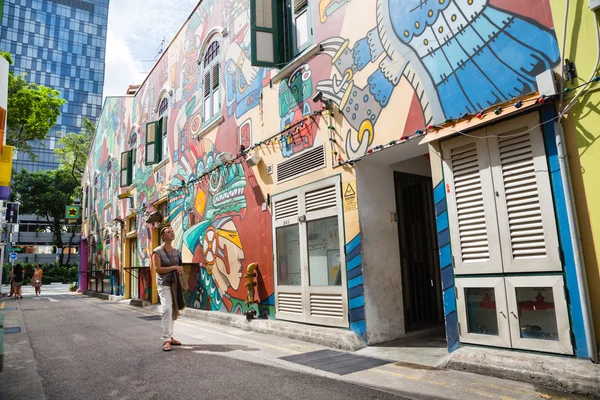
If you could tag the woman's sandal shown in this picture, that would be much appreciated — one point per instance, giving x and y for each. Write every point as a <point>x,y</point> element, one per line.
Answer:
<point>167,346</point>
<point>175,342</point>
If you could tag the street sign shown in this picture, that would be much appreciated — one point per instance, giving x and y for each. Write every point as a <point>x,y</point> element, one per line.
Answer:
<point>13,256</point>
<point>12,213</point>
<point>73,214</point>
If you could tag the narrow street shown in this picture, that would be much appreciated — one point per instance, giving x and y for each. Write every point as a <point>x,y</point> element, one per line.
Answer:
<point>73,347</point>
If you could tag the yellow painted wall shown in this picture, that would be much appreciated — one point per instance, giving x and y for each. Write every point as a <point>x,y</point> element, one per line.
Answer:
<point>582,134</point>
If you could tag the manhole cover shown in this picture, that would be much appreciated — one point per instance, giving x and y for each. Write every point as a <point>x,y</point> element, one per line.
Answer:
<point>335,361</point>
<point>151,318</point>
<point>12,329</point>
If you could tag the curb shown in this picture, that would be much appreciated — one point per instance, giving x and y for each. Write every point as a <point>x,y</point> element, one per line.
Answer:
<point>565,374</point>
<point>331,337</point>
<point>103,296</point>
<point>139,303</point>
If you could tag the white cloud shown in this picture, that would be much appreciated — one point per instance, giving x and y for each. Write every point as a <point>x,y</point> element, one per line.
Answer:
<point>121,68</point>
<point>135,30</point>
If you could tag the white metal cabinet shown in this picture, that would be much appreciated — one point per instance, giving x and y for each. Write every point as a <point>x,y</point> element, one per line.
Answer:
<point>525,312</point>
<point>539,319</point>
<point>482,311</point>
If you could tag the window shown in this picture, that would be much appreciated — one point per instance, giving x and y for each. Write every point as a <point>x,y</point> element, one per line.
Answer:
<point>126,177</point>
<point>281,30</point>
<point>156,141</point>
<point>211,67</point>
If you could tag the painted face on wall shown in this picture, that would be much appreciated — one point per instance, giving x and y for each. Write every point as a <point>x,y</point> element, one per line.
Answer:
<point>223,254</point>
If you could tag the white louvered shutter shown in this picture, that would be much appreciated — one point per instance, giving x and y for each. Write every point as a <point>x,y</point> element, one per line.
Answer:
<point>524,203</point>
<point>471,209</point>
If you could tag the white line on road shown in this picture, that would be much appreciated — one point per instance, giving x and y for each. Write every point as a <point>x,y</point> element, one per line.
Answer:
<point>52,300</point>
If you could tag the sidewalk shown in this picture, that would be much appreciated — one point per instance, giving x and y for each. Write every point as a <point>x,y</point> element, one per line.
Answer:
<point>410,379</point>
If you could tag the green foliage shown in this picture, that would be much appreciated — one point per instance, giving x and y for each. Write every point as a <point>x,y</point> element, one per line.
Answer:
<point>46,193</point>
<point>52,273</point>
<point>32,111</point>
<point>74,148</point>
<point>6,56</point>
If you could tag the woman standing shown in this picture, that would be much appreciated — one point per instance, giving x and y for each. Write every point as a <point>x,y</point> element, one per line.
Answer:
<point>165,260</point>
<point>36,280</point>
<point>18,275</point>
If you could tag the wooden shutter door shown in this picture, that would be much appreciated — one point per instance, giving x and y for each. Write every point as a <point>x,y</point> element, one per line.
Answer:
<point>471,209</point>
<point>265,29</point>
<point>524,200</point>
<point>152,133</point>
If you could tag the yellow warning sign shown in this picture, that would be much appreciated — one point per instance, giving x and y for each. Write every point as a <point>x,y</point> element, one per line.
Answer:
<point>349,196</point>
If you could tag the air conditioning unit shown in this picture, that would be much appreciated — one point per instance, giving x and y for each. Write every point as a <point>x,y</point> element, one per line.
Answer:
<point>253,159</point>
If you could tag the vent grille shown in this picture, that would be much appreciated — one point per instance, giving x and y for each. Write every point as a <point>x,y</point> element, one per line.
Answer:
<point>299,5</point>
<point>470,206</point>
<point>290,303</point>
<point>287,208</point>
<point>321,199</point>
<point>522,197</point>
<point>326,305</point>
<point>304,163</point>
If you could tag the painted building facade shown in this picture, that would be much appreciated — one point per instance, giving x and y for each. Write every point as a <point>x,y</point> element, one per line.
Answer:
<point>337,172</point>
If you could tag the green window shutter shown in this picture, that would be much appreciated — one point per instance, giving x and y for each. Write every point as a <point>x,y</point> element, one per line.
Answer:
<point>125,175</point>
<point>130,168</point>
<point>162,127</point>
<point>153,138</point>
<point>266,32</point>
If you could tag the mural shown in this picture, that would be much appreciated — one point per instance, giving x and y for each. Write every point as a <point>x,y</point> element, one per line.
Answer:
<point>459,56</point>
<point>424,63</point>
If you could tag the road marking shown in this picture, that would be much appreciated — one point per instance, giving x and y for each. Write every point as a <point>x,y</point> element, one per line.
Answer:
<point>52,300</point>
<point>438,383</point>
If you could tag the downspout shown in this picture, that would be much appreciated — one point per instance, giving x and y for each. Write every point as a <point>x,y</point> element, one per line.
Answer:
<point>571,211</point>
<point>582,285</point>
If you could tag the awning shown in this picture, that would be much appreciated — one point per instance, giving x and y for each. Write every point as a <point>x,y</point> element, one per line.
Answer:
<point>489,116</point>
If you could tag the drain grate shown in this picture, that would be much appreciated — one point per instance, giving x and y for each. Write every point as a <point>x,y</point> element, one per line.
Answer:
<point>335,361</point>
<point>12,329</point>
<point>151,318</point>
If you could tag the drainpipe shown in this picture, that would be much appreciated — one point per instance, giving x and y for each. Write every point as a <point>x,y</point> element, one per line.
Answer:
<point>582,285</point>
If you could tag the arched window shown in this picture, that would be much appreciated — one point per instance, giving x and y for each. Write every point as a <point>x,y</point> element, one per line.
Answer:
<point>211,67</point>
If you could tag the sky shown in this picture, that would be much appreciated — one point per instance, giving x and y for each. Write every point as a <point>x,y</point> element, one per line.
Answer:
<point>135,31</point>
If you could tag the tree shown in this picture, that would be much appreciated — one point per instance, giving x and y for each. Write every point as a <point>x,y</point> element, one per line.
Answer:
<point>32,111</point>
<point>74,148</point>
<point>46,193</point>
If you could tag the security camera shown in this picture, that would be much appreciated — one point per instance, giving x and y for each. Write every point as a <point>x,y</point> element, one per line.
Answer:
<point>317,97</point>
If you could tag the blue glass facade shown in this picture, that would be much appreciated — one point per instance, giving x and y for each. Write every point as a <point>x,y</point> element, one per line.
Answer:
<point>60,44</point>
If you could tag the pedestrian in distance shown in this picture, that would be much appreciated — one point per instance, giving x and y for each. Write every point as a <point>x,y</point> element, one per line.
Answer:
<point>166,261</point>
<point>18,275</point>
<point>36,280</point>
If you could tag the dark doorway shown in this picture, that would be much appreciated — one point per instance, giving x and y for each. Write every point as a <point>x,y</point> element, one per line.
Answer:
<point>421,286</point>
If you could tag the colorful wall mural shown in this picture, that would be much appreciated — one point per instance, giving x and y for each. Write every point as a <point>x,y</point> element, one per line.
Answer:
<point>390,73</point>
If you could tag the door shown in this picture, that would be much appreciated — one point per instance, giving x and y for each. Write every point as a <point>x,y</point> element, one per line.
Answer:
<point>310,268</point>
<point>421,287</point>
<point>539,319</point>
<point>482,311</point>
<point>471,206</point>
<point>524,200</point>
<point>134,280</point>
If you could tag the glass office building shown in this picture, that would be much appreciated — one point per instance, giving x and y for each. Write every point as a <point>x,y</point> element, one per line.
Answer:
<point>60,44</point>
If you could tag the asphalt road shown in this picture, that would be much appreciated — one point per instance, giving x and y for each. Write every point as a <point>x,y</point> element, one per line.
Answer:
<point>85,350</point>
